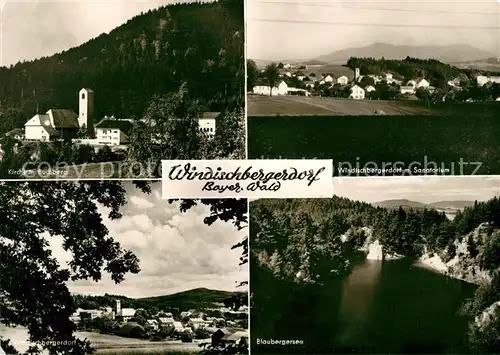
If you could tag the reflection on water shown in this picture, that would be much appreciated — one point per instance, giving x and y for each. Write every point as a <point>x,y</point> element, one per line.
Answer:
<point>357,296</point>
<point>381,307</point>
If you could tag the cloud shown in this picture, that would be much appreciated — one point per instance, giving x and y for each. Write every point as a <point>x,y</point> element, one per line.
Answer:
<point>177,251</point>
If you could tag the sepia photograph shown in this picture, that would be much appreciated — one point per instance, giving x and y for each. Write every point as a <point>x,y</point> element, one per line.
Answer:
<point>387,266</point>
<point>106,89</point>
<point>383,88</point>
<point>111,268</point>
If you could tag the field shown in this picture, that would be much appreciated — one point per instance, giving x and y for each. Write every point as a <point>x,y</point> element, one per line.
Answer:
<point>354,141</point>
<point>111,344</point>
<point>310,106</point>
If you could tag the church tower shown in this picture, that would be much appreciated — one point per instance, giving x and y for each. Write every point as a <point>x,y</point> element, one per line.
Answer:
<point>86,109</point>
<point>356,74</point>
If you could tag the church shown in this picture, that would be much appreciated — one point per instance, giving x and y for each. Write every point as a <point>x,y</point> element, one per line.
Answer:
<point>58,124</point>
<point>61,123</point>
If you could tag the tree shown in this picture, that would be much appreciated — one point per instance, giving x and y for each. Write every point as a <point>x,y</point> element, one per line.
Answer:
<point>169,130</point>
<point>229,140</point>
<point>272,74</point>
<point>252,74</point>
<point>33,291</point>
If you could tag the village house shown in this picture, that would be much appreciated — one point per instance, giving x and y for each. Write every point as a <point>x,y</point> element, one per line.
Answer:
<point>112,131</point>
<point>178,327</point>
<point>298,92</point>
<point>370,88</point>
<point>328,79</point>
<point>407,90</point>
<point>17,133</point>
<point>207,123</point>
<point>153,323</point>
<point>229,336</point>
<point>342,80</point>
<point>186,314</point>
<point>481,80</point>
<point>279,90</point>
<point>376,79</point>
<point>167,321</point>
<point>357,93</point>
<point>197,323</point>
<point>422,83</point>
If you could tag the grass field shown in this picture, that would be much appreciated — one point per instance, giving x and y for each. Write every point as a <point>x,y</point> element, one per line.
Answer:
<point>310,106</point>
<point>380,139</point>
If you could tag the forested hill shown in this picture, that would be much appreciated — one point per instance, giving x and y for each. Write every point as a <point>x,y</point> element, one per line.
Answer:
<point>198,43</point>
<point>316,236</point>
<point>193,299</point>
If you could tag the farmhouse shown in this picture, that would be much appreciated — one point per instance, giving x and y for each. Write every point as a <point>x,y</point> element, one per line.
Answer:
<point>357,93</point>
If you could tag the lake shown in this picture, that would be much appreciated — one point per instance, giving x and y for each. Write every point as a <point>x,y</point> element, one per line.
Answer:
<point>381,307</point>
<point>109,344</point>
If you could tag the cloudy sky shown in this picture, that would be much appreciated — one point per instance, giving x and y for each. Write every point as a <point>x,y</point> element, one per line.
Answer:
<point>421,189</point>
<point>304,29</point>
<point>177,252</point>
<point>36,28</point>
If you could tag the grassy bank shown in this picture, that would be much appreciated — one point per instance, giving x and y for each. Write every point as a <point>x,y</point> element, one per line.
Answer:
<point>106,170</point>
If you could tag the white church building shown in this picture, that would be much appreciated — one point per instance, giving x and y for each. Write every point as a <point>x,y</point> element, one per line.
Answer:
<point>56,122</point>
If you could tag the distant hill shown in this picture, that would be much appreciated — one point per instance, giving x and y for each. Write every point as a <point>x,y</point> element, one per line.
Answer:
<point>452,204</point>
<point>399,203</point>
<point>440,205</point>
<point>196,298</point>
<point>201,44</point>
<point>445,54</point>
<point>193,299</point>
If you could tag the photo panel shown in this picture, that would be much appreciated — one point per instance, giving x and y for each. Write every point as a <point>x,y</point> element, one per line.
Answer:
<point>384,88</point>
<point>113,267</point>
<point>106,89</point>
<point>387,266</point>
